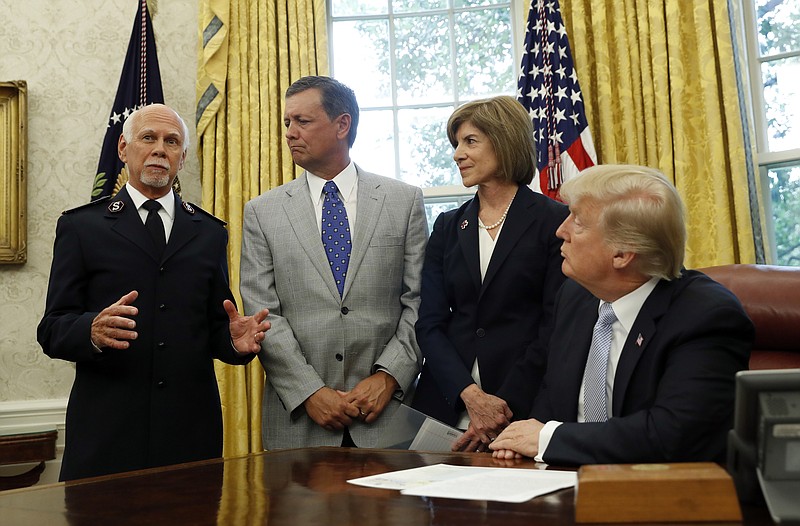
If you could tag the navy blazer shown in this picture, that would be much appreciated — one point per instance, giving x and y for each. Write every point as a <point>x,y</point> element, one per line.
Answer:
<point>503,321</point>
<point>674,388</point>
<point>157,402</point>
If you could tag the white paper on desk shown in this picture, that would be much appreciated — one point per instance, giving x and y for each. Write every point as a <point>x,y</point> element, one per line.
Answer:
<point>500,484</point>
<point>471,482</point>
<point>409,478</point>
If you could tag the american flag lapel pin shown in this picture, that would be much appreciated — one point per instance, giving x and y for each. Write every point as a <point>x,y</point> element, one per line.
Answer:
<point>639,340</point>
<point>464,224</point>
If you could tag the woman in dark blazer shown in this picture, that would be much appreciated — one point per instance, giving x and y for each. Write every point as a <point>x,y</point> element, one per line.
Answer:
<point>492,269</point>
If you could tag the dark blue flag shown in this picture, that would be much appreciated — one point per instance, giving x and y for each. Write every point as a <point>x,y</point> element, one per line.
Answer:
<point>139,85</point>
<point>548,88</point>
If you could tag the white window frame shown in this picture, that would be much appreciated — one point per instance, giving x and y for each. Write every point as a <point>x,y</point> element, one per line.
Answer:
<point>767,160</point>
<point>519,13</point>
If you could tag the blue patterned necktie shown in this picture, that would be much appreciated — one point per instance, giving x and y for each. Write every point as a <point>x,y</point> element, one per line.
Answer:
<point>594,388</point>
<point>335,234</point>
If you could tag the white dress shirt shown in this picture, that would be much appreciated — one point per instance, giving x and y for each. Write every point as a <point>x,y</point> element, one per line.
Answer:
<point>485,248</point>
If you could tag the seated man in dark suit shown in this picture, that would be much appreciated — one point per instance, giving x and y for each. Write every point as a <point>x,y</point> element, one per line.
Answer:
<point>643,355</point>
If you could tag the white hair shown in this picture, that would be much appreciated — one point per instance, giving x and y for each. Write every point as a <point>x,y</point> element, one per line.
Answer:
<point>127,126</point>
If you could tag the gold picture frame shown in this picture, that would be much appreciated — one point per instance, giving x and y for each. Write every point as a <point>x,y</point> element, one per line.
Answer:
<point>13,167</point>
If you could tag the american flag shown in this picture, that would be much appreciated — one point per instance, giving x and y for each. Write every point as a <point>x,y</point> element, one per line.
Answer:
<point>548,88</point>
<point>139,85</point>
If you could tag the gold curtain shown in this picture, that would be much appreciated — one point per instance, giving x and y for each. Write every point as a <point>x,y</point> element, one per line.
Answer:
<point>250,51</point>
<point>660,87</point>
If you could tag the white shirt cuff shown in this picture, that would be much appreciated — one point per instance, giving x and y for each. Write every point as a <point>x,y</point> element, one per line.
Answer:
<point>544,438</point>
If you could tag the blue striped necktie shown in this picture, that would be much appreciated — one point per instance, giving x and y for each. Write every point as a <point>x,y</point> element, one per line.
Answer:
<point>594,387</point>
<point>335,234</point>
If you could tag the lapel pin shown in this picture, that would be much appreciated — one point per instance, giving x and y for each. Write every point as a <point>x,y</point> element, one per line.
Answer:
<point>464,224</point>
<point>639,340</point>
<point>116,206</point>
<point>189,208</point>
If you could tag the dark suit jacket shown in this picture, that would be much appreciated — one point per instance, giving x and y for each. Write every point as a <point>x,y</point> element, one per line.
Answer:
<point>503,321</point>
<point>156,402</point>
<point>674,388</point>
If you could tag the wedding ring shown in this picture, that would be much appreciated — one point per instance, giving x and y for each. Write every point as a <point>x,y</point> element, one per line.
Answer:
<point>362,412</point>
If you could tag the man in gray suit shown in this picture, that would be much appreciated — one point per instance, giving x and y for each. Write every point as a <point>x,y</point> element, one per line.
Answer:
<point>341,353</point>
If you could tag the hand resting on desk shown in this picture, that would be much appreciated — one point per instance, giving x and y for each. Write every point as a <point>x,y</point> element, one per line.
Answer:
<point>517,440</point>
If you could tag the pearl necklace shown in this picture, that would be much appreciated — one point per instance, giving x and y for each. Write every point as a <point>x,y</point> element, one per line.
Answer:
<point>499,221</point>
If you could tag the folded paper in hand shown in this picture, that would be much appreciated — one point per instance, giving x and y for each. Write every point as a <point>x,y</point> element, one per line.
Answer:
<point>410,429</point>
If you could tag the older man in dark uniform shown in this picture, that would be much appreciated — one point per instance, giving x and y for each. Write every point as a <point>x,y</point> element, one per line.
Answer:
<point>139,300</point>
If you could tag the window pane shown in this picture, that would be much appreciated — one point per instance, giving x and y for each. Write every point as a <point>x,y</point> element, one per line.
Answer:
<point>435,206</point>
<point>407,79</point>
<point>423,60</point>
<point>468,3</point>
<point>359,47</point>
<point>778,22</point>
<point>782,97</point>
<point>426,157</point>
<point>374,147</point>
<point>405,6</point>
<point>785,190</point>
<point>359,7</point>
<point>483,56</point>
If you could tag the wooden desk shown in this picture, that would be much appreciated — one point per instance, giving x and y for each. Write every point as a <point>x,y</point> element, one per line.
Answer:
<point>289,487</point>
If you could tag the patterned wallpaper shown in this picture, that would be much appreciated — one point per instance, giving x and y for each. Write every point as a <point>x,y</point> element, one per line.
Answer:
<point>71,54</point>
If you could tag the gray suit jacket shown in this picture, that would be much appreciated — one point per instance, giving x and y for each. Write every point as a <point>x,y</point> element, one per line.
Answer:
<point>317,338</point>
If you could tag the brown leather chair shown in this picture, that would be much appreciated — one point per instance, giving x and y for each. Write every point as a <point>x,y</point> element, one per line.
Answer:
<point>771,296</point>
